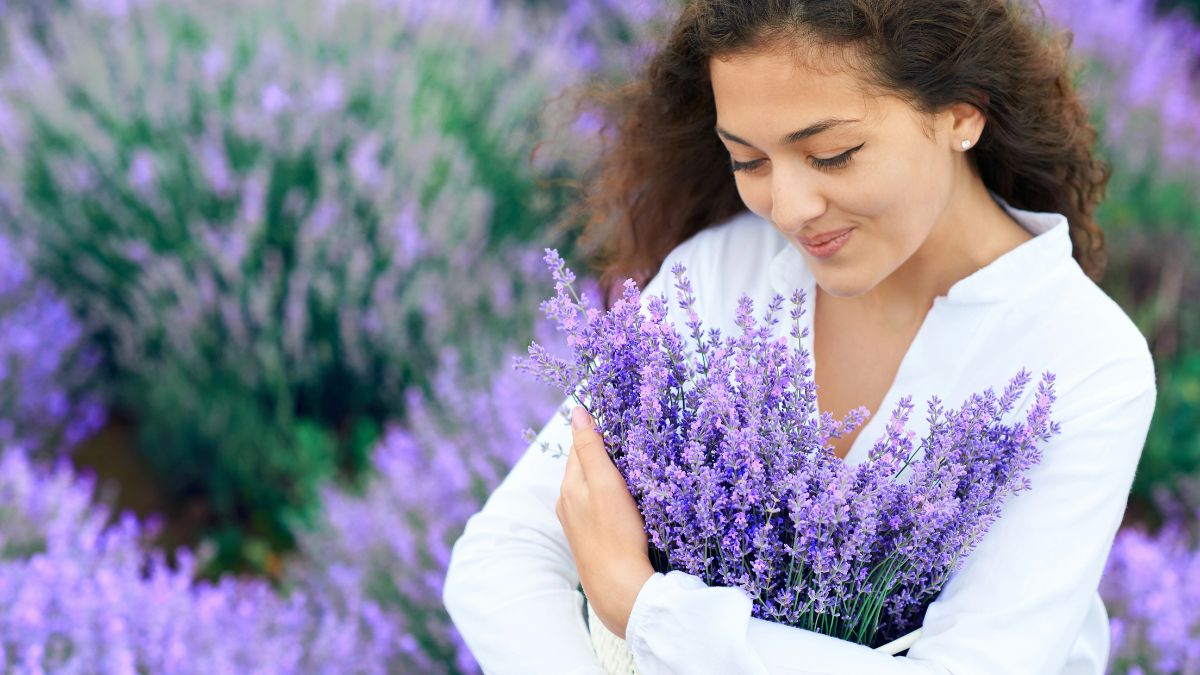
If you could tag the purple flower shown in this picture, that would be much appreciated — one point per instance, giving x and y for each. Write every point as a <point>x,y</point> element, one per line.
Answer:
<point>387,547</point>
<point>1151,586</point>
<point>304,230</point>
<point>1142,76</point>
<point>83,595</point>
<point>723,450</point>
<point>48,402</point>
<point>275,99</point>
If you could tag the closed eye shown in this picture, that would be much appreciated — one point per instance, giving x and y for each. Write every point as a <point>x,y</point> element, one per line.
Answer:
<point>745,166</point>
<point>836,162</point>
<point>828,164</point>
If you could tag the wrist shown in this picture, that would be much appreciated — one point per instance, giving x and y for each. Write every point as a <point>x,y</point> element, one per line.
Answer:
<point>626,589</point>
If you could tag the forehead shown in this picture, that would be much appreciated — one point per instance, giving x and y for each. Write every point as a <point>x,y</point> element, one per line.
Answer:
<point>774,89</point>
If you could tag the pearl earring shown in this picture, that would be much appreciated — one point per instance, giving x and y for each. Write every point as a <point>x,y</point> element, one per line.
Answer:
<point>966,144</point>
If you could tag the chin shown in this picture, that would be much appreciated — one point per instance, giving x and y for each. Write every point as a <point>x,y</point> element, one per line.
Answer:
<point>842,288</point>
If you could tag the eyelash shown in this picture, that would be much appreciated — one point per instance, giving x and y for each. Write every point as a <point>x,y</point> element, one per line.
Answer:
<point>822,164</point>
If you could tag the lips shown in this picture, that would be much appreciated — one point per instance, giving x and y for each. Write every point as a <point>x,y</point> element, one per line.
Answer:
<point>824,237</point>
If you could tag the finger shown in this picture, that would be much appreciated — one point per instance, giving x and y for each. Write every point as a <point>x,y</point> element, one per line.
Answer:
<point>588,443</point>
<point>574,471</point>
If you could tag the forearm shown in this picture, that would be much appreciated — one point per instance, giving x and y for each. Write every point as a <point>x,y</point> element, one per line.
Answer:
<point>514,608</point>
<point>511,585</point>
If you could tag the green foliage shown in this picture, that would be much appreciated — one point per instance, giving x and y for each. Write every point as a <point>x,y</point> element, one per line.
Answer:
<point>1173,444</point>
<point>253,469</point>
<point>1137,79</point>
<point>272,217</point>
<point>1191,7</point>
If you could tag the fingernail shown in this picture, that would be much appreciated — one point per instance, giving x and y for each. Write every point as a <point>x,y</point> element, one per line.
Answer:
<point>580,419</point>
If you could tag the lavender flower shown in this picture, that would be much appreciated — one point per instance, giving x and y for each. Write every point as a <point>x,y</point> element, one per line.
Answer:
<point>1151,586</point>
<point>1141,77</point>
<point>83,594</point>
<point>1140,80</point>
<point>723,451</point>
<point>386,549</point>
<point>46,401</point>
<point>270,262</point>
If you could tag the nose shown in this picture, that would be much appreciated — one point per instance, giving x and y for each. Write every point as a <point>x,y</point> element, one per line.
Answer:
<point>795,201</point>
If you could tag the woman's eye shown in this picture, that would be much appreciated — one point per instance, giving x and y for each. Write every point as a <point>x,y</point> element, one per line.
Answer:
<point>748,167</point>
<point>836,162</point>
<point>823,164</point>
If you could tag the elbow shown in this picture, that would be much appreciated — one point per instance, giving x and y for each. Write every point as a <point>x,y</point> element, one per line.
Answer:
<point>455,591</point>
<point>468,581</point>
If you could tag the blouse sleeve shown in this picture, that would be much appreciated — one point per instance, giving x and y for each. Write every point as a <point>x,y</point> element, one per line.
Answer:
<point>511,588</point>
<point>511,584</point>
<point>1015,607</point>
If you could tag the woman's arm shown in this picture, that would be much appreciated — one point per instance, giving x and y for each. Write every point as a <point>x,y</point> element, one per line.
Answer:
<point>512,584</point>
<point>1015,606</point>
<point>511,587</point>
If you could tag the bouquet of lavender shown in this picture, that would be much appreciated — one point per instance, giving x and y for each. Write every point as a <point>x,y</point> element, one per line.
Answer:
<point>723,452</point>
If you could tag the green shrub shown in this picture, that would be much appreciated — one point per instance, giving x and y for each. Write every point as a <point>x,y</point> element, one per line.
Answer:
<point>273,216</point>
<point>1172,447</point>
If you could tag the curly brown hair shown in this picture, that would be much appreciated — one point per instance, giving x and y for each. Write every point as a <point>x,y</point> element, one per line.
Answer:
<point>663,174</point>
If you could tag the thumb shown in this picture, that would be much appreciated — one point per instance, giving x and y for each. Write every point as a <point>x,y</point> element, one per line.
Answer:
<point>581,420</point>
<point>587,441</point>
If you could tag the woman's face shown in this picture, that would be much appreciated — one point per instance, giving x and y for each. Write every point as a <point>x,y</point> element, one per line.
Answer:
<point>857,161</point>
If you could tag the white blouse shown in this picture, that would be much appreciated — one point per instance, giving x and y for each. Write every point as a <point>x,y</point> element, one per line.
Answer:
<point>1025,601</point>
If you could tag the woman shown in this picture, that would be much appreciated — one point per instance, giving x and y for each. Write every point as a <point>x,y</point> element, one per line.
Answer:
<point>925,171</point>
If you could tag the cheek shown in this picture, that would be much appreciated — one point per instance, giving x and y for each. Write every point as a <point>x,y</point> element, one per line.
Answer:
<point>888,198</point>
<point>917,190</point>
<point>877,189</point>
<point>756,195</point>
<point>895,203</point>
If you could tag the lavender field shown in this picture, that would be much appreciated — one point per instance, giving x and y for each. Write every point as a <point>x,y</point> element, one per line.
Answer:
<point>265,265</point>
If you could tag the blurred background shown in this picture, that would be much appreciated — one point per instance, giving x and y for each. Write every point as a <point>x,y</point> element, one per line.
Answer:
<point>263,268</point>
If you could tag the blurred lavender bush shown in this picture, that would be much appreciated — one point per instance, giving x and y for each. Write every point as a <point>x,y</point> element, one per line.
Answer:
<point>83,596</point>
<point>388,546</point>
<point>270,216</point>
<point>45,366</point>
<point>1151,586</point>
<point>1172,447</point>
<point>363,596</point>
<point>1142,81</point>
<point>32,16</point>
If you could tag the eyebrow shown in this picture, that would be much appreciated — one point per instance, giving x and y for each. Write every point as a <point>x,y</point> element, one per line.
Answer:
<point>798,135</point>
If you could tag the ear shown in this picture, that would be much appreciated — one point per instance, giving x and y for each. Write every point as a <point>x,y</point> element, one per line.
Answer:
<point>965,123</point>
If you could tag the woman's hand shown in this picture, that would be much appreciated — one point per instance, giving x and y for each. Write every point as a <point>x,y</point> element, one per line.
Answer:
<point>603,526</point>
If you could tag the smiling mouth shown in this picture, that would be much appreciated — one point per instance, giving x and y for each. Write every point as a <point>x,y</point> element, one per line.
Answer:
<point>829,247</point>
<point>824,238</point>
